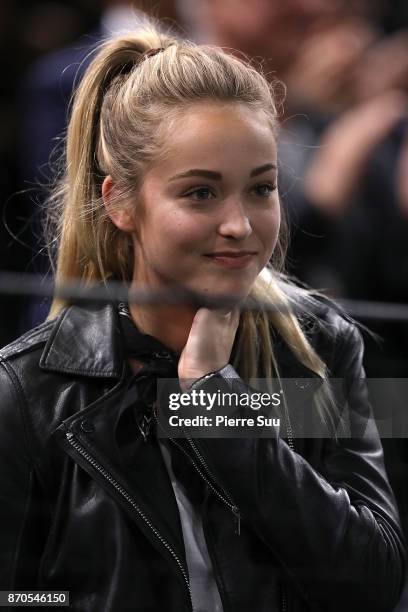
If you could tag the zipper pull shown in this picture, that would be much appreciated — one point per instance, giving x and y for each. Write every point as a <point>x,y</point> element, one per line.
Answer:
<point>144,426</point>
<point>147,421</point>
<point>284,601</point>
<point>124,310</point>
<point>237,515</point>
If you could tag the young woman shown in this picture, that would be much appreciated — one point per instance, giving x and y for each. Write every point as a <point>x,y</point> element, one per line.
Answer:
<point>171,182</point>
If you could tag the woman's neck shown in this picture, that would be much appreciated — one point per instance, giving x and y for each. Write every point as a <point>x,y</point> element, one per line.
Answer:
<point>168,323</point>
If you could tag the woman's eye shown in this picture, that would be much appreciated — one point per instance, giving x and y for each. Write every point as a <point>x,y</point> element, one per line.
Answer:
<point>264,190</point>
<point>202,193</point>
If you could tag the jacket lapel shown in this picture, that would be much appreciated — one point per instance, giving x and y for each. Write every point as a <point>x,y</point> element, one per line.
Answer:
<point>107,444</point>
<point>103,437</point>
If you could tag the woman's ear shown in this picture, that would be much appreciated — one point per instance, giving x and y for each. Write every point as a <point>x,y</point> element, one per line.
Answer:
<point>121,214</point>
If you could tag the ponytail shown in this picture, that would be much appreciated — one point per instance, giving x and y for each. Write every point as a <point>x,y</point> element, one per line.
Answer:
<point>84,230</point>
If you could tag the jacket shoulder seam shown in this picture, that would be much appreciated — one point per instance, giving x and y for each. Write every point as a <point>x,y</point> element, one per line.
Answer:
<point>22,404</point>
<point>28,341</point>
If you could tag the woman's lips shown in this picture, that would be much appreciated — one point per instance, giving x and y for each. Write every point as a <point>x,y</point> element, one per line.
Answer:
<point>232,260</point>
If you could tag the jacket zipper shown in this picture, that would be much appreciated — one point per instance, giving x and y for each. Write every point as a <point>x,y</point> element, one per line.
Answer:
<point>284,601</point>
<point>288,425</point>
<point>235,510</point>
<point>225,498</point>
<point>289,431</point>
<point>230,503</point>
<point>77,446</point>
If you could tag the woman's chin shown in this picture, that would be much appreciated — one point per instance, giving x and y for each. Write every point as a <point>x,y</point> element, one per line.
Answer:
<point>213,294</point>
<point>226,295</point>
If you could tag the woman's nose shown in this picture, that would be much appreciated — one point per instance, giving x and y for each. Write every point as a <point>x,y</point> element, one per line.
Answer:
<point>235,222</point>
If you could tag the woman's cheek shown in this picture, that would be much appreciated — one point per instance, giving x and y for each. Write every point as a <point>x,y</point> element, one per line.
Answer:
<point>191,233</point>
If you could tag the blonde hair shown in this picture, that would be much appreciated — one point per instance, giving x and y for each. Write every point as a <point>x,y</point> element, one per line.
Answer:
<point>116,127</point>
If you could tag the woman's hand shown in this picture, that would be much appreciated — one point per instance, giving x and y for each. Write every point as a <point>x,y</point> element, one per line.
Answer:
<point>209,344</point>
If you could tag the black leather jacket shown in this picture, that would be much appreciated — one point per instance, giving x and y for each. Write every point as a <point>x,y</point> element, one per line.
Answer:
<point>87,505</point>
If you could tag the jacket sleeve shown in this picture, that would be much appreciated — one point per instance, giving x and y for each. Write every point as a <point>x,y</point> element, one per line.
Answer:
<point>20,515</point>
<point>336,532</point>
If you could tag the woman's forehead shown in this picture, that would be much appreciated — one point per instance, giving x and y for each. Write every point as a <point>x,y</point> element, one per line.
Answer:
<point>204,135</point>
<point>214,114</point>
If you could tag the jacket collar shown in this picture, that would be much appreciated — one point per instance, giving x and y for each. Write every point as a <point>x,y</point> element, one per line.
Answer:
<point>85,341</point>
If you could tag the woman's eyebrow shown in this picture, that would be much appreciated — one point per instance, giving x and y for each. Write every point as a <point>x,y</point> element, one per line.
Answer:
<point>262,169</point>
<point>217,176</point>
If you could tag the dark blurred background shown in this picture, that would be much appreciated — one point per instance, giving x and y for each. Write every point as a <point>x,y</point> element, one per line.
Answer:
<point>343,141</point>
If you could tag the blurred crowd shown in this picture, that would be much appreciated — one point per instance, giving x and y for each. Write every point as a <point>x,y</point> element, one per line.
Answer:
<point>343,139</point>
